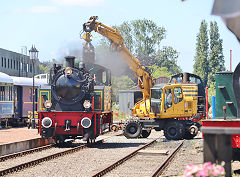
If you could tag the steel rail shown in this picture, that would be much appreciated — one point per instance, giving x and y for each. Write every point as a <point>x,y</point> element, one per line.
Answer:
<point>159,170</point>
<point>119,162</point>
<point>47,158</point>
<point>21,153</point>
<point>29,151</point>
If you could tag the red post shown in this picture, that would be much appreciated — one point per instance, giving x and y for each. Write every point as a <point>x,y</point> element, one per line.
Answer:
<point>230,60</point>
<point>206,102</point>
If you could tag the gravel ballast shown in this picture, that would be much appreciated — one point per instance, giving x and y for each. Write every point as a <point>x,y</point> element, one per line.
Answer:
<point>89,161</point>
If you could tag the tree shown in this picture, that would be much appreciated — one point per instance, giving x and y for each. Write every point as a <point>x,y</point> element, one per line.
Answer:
<point>216,58</point>
<point>45,66</point>
<point>167,57</point>
<point>143,38</point>
<point>157,71</point>
<point>201,57</point>
<point>209,58</point>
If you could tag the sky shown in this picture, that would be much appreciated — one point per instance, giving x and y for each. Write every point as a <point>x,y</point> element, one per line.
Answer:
<point>54,26</point>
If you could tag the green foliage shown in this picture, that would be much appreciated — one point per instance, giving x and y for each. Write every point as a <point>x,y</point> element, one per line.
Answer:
<point>209,58</point>
<point>211,92</point>
<point>167,57</point>
<point>43,69</point>
<point>201,57</point>
<point>157,71</point>
<point>120,83</point>
<point>142,37</point>
<point>216,58</point>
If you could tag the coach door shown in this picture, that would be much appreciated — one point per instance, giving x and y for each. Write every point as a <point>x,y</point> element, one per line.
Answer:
<point>18,101</point>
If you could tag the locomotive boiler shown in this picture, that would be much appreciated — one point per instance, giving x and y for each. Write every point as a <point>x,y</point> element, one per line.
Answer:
<point>80,106</point>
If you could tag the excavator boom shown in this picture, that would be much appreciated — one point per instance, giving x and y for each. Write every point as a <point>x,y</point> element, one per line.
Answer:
<point>117,41</point>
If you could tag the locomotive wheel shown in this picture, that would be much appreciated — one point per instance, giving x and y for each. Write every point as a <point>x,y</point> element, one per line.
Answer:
<point>145,133</point>
<point>174,130</point>
<point>132,129</point>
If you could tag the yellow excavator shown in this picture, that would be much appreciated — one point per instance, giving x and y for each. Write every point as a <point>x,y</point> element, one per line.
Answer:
<point>162,105</point>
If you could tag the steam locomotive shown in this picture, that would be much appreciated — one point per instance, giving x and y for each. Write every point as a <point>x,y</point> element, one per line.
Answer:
<point>80,105</point>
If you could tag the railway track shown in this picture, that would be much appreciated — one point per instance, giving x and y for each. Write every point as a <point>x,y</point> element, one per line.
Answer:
<point>29,151</point>
<point>22,153</point>
<point>157,172</point>
<point>42,159</point>
<point>46,158</point>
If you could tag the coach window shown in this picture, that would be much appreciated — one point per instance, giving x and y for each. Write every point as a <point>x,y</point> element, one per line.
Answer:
<point>17,65</point>
<point>30,67</point>
<point>11,63</point>
<point>2,93</point>
<point>2,61</point>
<point>5,62</point>
<point>14,63</point>
<point>6,93</point>
<point>8,63</point>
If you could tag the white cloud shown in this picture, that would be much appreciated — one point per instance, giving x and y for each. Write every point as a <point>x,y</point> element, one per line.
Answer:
<point>37,9</point>
<point>81,3</point>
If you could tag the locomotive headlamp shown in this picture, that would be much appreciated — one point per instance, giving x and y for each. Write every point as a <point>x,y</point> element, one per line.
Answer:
<point>87,104</point>
<point>46,122</point>
<point>68,71</point>
<point>47,104</point>
<point>86,122</point>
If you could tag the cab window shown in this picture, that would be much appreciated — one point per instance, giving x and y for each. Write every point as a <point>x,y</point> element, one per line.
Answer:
<point>177,95</point>
<point>156,100</point>
<point>168,99</point>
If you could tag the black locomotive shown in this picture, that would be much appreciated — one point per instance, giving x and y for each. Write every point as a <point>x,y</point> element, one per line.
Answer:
<point>80,105</point>
<point>71,86</point>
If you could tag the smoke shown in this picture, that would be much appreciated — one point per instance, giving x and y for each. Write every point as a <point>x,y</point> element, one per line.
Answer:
<point>112,60</point>
<point>104,56</point>
<point>71,48</point>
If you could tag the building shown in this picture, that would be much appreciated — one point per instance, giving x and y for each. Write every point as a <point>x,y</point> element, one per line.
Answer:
<point>128,98</point>
<point>16,64</point>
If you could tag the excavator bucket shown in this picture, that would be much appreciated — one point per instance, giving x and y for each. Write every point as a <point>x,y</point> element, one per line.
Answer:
<point>89,26</point>
<point>236,87</point>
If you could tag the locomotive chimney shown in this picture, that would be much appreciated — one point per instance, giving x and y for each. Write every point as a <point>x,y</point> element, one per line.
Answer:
<point>70,61</point>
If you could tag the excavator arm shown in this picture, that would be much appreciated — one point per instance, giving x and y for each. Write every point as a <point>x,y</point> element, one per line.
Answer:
<point>117,41</point>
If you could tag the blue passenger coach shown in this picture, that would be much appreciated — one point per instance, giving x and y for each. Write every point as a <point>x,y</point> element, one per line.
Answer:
<point>6,97</point>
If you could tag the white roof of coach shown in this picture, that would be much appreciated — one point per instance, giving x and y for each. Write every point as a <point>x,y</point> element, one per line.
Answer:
<point>26,81</point>
<point>4,78</point>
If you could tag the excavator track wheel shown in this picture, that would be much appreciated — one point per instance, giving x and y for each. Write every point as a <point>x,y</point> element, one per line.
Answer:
<point>174,130</point>
<point>132,129</point>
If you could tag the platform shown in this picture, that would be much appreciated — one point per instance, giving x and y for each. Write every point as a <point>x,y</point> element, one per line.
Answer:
<point>17,134</point>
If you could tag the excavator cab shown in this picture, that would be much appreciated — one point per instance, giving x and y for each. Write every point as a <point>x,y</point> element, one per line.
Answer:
<point>167,101</point>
